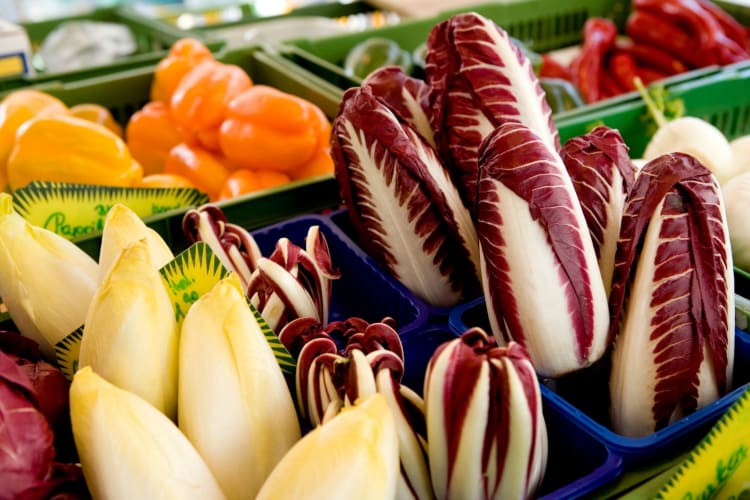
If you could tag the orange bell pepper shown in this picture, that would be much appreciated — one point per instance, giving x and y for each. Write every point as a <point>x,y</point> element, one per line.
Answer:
<point>65,148</point>
<point>183,56</point>
<point>244,181</point>
<point>205,170</point>
<point>97,114</point>
<point>165,181</point>
<point>200,101</point>
<point>320,164</point>
<point>18,107</point>
<point>266,128</point>
<point>151,134</point>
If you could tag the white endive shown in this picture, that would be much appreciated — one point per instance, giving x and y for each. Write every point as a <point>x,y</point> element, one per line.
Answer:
<point>352,455</point>
<point>123,226</point>
<point>46,281</point>
<point>234,404</point>
<point>128,449</point>
<point>131,335</point>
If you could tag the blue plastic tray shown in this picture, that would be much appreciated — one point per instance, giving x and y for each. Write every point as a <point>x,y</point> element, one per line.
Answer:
<point>363,290</point>
<point>575,395</point>
<point>340,218</point>
<point>578,462</point>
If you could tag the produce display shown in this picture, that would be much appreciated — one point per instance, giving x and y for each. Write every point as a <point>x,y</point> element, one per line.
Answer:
<point>495,309</point>
<point>196,132</point>
<point>497,155</point>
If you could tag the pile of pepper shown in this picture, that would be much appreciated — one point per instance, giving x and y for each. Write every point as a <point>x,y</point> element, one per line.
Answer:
<point>209,126</point>
<point>664,38</point>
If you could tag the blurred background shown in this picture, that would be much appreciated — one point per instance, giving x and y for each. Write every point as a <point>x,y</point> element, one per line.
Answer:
<point>226,10</point>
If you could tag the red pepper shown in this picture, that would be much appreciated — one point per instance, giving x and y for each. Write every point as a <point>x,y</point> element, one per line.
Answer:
<point>654,57</point>
<point>687,14</point>
<point>622,67</point>
<point>608,86</point>
<point>598,38</point>
<point>711,43</point>
<point>731,27</point>
<point>651,29</point>
<point>552,68</point>
<point>649,74</point>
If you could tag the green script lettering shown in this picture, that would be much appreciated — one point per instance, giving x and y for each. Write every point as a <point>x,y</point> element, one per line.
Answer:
<point>182,284</point>
<point>57,223</point>
<point>723,472</point>
<point>158,209</point>
<point>178,312</point>
<point>190,297</point>
<point>101,210</point>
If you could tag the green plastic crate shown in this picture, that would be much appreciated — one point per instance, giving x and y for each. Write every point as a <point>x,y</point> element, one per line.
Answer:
<point>209,24</point>
<point>125,92</point>
<point>153,41</point>
<point>543,25</point>
<point>722,99</point>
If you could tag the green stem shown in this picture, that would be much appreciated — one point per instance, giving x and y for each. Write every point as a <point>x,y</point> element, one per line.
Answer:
<point>653,110</point>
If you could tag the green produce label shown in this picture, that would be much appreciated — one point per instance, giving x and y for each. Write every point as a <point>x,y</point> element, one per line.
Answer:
<point>191,274</point>
<point>287,363</point>
<point>718,467</point>
<point>187,277</point>
<point>77,211</point>
<point>66,352</point>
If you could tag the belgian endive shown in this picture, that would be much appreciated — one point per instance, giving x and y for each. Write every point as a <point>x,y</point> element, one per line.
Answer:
<point>234,404</point>
<point>129,449</point>
<point>131,335</point>
<point>46,281</point>
<point>123,226</point>
<point>352,455</point>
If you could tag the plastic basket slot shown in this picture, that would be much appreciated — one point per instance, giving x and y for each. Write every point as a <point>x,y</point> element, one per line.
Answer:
<point>733,122</point>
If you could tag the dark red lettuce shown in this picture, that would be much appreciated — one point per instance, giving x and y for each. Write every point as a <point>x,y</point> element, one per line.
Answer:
<point>404,207</point>
<point>478,79</point>
<point>672,298</point>
<point>602,173</point>
<point>540,275</point>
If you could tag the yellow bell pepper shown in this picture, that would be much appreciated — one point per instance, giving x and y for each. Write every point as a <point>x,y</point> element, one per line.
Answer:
<point>97,114</point>
<point>15,109</point>
<point>70,149</point>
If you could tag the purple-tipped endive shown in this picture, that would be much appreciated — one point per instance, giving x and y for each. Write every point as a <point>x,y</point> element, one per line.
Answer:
<point>46,281</point>
<point>602,173</point>
<point>131,335</point>
<point>541,278</point>
<point>294,282</point>
<point>353,455</point>
<point>404,207</point>
<point>485,428</point>
<point>233,245</point>
<point>371,362</point>
<point>234,404</point>
<point>672,298</point>
<point>123,226</point>
<point>129,449</point>
<point>290,283</point>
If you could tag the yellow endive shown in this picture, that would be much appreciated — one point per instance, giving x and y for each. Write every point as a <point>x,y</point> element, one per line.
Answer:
<point>131,335</point>
<point>234,404</point>
<point>46,281</point>
<point>353,455</point>
<point>122,226</point>
<point>129,449</point>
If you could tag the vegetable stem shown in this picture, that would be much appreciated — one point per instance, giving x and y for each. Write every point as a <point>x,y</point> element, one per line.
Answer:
<point>653,110</point>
